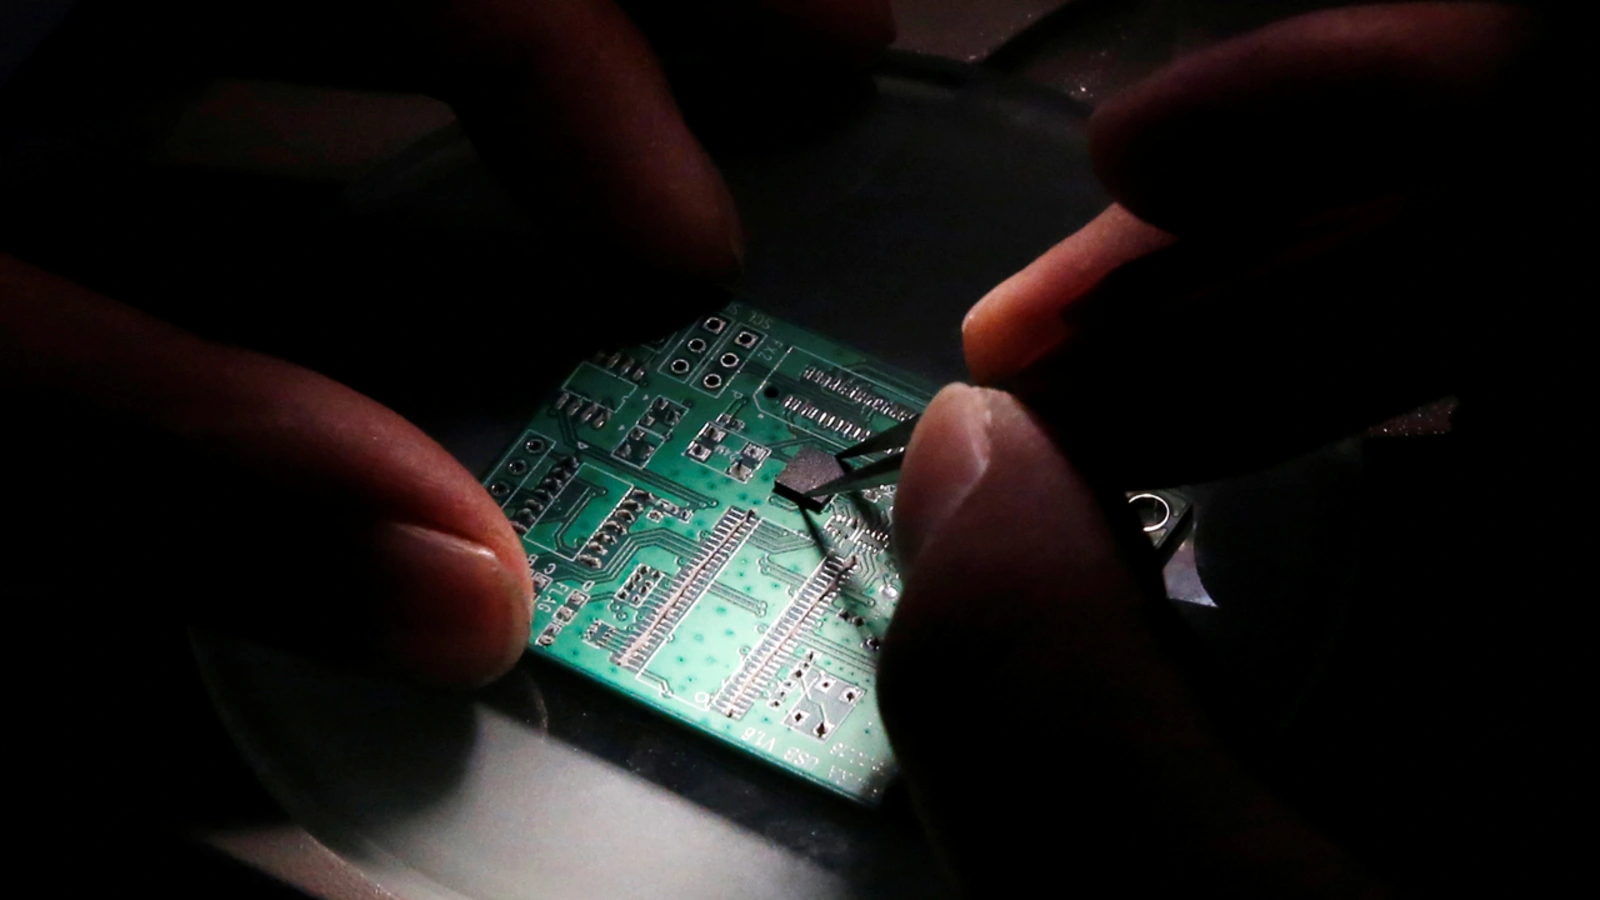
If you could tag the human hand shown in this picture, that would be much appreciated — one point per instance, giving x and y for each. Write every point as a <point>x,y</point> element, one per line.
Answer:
<point>256,495</point>
<point>1026,683</point>
<point>1306,216</point>
<point>1317,216</point>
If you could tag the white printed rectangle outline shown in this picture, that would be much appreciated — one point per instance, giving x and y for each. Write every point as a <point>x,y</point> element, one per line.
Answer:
<point>803,424</point>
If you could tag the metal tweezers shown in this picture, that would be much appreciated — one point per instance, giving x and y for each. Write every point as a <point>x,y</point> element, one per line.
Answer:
<point>884,471</point>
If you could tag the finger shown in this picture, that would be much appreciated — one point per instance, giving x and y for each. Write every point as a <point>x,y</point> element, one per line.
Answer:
<point>1022,617</point>
<point>849,32</point>
<point>1024,317</point>
<point>854,30</point>
<point>1318,111</point>
<point>252,493</point>
<point>564,100</point>
<point>567,98</point>
<point>1209,358</point>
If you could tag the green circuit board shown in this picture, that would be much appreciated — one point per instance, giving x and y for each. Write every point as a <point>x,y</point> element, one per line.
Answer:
<point>667,566</point>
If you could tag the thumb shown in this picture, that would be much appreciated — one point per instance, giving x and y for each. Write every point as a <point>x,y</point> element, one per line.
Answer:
<point>1040,725</point>
<point>242,492</point>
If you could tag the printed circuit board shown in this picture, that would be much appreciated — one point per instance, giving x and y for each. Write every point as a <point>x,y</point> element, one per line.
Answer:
<point>656,492</point>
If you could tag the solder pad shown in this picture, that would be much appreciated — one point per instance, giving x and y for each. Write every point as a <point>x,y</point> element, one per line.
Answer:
<point>667,568</point>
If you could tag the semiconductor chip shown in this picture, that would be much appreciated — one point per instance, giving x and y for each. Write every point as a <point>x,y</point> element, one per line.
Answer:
<point>810,468</point>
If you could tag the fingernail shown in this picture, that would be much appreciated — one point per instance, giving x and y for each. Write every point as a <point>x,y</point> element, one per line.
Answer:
<point>1001,337</point>
<point>1032,314</point>
<point>445,608</point>
<point>945,460</point>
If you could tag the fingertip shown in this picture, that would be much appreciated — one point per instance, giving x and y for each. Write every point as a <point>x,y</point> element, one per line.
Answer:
<point>1008,328</point>
<point>694,228</point>
<point>445,610</point>
<point>987,510</point>
<point>1023,319</point>
<point>984,489</point>
<point>944,461</point>
<point>402,560</point>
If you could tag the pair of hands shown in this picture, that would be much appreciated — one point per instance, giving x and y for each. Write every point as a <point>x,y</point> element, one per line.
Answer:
<point>1357,132</point>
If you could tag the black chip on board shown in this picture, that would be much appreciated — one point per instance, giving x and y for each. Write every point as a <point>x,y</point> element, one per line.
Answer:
<point>810,468</point>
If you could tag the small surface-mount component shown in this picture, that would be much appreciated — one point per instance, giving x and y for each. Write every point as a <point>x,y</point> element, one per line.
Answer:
<point>661,416</point>
<point>705,443</point>
<point>639,585</point>
<point>535,502</point>
<point>613,528</point>
<point>810,468</point>
<point>637,447</point>
<point>567,611</point>
<point>620,364</point>
<point>746,462</point>
<point>540,579</point>
<point>563,616</point>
